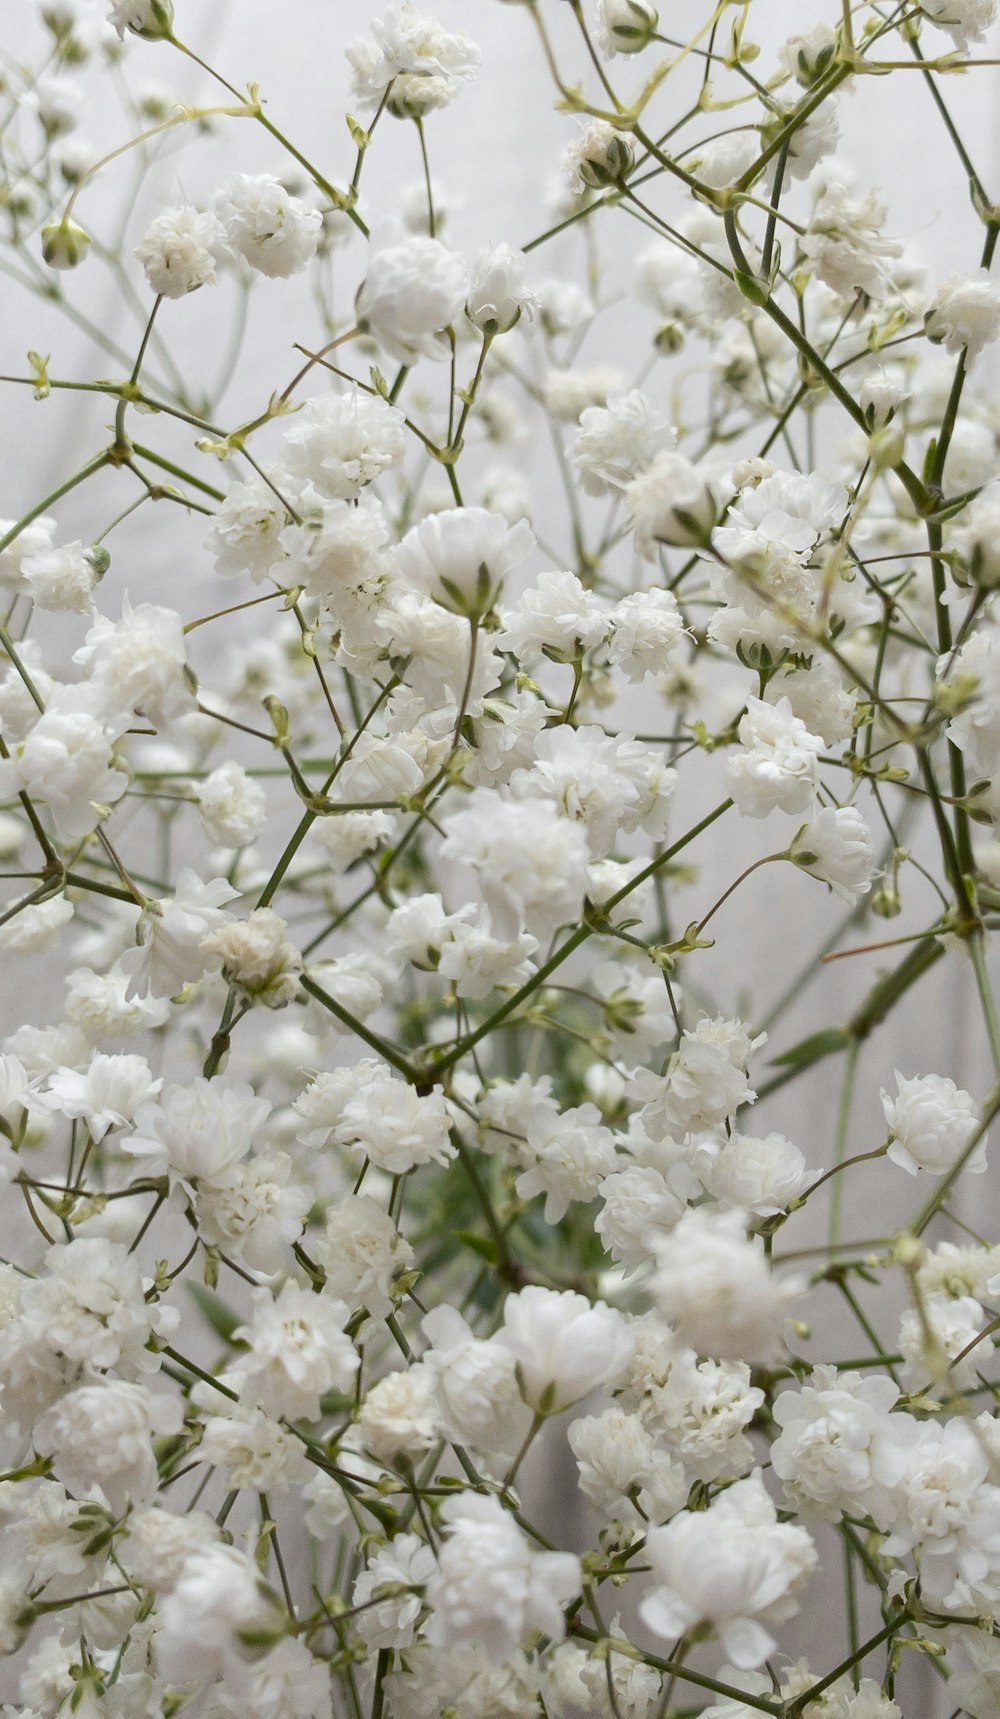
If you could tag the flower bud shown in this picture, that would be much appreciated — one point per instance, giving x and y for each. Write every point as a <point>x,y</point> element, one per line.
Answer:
<point>811,54</point>
<point>64,244</point>
<point>674,503</point>
<point>979,538</point>
<point>601,156</point>
<point>880,399</point>
<point>626,26</point>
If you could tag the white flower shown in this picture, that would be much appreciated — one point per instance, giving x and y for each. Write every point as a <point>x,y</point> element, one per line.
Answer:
<point>88,1308</point>
<point>671,503</point>
<point>557,617</point>
<point>705,1082</point>
<point>530,860</point>
<point>233,807</point>
<point>618,441</point>
<point>170,934</point>
<point>730,1566</point>
<point>256,1449</point>
<point>778,766</point>
<point>157,1543</point>
<point>98,1004</point>
<point>66,763</point>
<point>245,536</point>
<point>930,1339</point>
<point>805,55</point>
<point>716,1288</point>
<point>490,1586</point>
<point>476,961</point>
<point>106,1095</point>
<point>567,393</point>
<point>844,242</point>
<point>362,1252</point>
<point>297,1351</point>
<point>422,62</point>
<point>837,848</point>
<point>198,1131</point>
<point>609,785</point>
<point>275,233</point>
<point>398,1416</point>
<point>563,1345</point>
<point>149,18</point>
<point>414,289</point>
<point>566,1155</point>
<point>217,1616</point>
<point>824,1450</point>
<point>340,442</point>
<point>933,1495</point>
<point>256,957</point>
<point>475,1383</point>
<point>65,579</point>
<point>700,1409</point>
<point>617,1458</point>
<point>289,1683</point>
<point>101,1435</point>
<point>139,663</point>
<point>180,250</point>
<point>35,930</point>
<point>758,1174</point>
<point>373,1113</point>
<point>647,627</point>
<point>931,1121</point>
<point>498,292</point>
<point>639,1204</point>
<point>461,557</point>
<point>390,1578</point>
<point>252,1209</point>
<point>965,314</point>
<point>338,553</point>
<point>33,539</point>
<point>790,509</point>
<point>965,20</point>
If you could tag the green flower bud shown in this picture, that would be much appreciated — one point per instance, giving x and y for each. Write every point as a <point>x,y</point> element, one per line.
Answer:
<point>64,244</point>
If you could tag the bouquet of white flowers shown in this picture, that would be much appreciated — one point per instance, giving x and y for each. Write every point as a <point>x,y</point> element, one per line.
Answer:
<point>434,662</point>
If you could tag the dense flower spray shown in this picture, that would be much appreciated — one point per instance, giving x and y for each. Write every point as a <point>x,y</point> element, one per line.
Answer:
<point>462,1257</point>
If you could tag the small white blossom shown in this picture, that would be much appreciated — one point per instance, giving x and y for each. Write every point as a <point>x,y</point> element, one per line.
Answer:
<point>965,314</point>
<point>414,289</point>
<point>275,233</point>
<point>297,1350</point>
<point>490,1586</point>
<point>931,1122</point>
<point>181,249</point>
<point>733,1566</point>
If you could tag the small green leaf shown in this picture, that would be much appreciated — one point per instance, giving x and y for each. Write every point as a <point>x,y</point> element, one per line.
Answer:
<point>814,1048</point>
<point>216,1312</point>
<point>482,1245</point>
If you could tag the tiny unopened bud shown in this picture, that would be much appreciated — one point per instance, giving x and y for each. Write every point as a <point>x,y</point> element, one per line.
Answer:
<point>600,157</point>
<point>626,26</point>
<point>98,558</point>
<point>64,244</point>
<point>880,399</point>
<point>808,56</point>
<point>669,338</point>
<point>886,903</point>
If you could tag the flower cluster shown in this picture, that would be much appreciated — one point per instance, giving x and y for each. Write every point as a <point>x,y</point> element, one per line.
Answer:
<point>396,1117</point>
